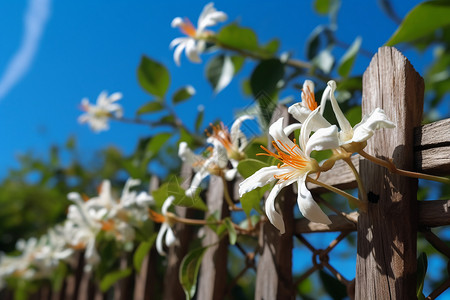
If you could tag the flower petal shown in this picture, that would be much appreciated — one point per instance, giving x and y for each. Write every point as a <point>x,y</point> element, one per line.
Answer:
<point>237,137</point>
<point>192,51</point>
<point>344,124</point>
<point>366,128</point>
<point>167,204</point>
<point>278,135</point>
<point>260,178</point>
<point>323,139</point>
<point>308,207</point>
<point>159,239</point>
<point>177,53</point>
<point>274,217</point>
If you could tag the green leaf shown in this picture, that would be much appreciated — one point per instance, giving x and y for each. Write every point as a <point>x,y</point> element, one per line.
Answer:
<point>111,278</point>
<point>142,250</point>
<point>322,6</point>
<point>219,72</point>
<point>237,37</point>
<point>232,235</point>
<point>249,166</point>
<point>155,144</point>
<point>174,189</point>
<point>150,107</point>
<point>422,265</point>
<point>347,61</point>
<point>252,199</point>
<point>266,76</point>
<point>189,268</point>
<point>272,46</point>
<point>153,77</point>
<point>183,94</point>
<point>421,21</point>
<point>335,289</point>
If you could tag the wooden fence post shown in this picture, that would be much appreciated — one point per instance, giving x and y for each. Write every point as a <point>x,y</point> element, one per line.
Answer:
<point>213,273</point>
<point>274,271</point>
<point>387,234</point>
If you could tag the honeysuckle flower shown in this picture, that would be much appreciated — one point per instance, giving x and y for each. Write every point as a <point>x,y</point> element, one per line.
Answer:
<point>295,166</point>
<point>301,110</point>
<point>194,42</point>
<point>212,165</point>
<point>97,115</point>
<point>165,231</point>
<point>234,142</point>
<point>354,139</point>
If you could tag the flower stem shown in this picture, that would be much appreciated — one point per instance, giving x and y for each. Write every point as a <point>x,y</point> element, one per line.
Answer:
<point>353,200</point>
<point>388,164</point>
<point>226,194</point>
<point>362,190</point>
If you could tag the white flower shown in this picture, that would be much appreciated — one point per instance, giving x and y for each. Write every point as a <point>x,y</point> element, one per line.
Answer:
<point>97,115</point>
<point>165,232</point>
<point>295,167</point>
<point>234,142</point>
<point>214,164</point>
<point>301,110</point>
<point>362,131</point>
<point>193,42</point>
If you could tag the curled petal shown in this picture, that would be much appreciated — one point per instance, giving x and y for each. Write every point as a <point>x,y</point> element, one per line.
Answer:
<point>237,137</point>
<point>342,120</point>
<point>177,53</point>
<point>260,178</point>
<point>274,217</point>
<point>308,207</point>
<point>167,204</point>
<point>323,139</point>
<point>192,51</point>
<point>159,239</point>
<point>277,132</point>
<point>366,128</point>
<point>177,22</point>
<point>170,237</point>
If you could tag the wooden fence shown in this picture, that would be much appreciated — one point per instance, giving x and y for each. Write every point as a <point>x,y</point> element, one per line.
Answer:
<point>386,235</point>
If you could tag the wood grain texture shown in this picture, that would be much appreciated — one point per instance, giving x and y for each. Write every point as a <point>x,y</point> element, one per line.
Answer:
<point>430,135</point>
<point>274,270</point>
<point>431,214</point>
<point>213,271</point>
<point>387,234</point>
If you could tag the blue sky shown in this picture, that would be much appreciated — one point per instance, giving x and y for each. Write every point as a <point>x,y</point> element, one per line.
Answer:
<point>89,46</point>
<point>85,47</point>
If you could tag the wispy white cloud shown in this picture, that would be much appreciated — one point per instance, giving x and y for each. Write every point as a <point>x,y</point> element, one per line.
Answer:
<point>35,18</point>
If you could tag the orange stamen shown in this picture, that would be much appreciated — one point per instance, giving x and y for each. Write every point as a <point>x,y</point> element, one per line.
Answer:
<point>158,218</point>
<point>187,28</point>
<point>221,133</point>
<point>288,157</point>
<point>309,98</point>
<point>107,225</point>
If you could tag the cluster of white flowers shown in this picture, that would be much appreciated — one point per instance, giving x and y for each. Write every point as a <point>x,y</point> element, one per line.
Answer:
<point>296,162</point>
<point>227,146</point>
<point>86,219</point>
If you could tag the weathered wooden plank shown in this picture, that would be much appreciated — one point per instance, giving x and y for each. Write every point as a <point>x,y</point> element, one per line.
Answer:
<point>430,135</point>
<point>434,161</point>
<point>386,251</point>
<point>213,273</point>
<point>431,214</point>
<point>274,270</point>
<point>434,213</point>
